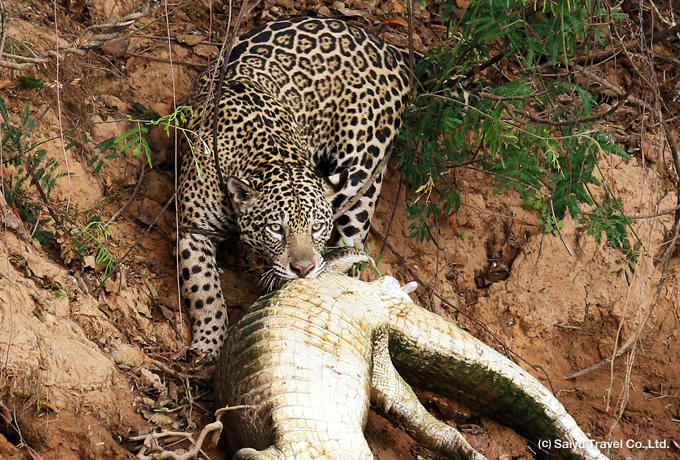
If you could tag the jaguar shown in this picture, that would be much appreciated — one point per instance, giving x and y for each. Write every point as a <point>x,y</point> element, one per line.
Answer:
<point>307,110</point>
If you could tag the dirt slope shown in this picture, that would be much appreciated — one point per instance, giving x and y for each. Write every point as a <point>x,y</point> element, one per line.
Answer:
<point>80,374</point>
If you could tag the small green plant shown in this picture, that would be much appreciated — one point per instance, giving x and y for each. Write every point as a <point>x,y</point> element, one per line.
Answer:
<point>546,216</point>
<point>608,220</point>
<point>93,238</point>
<point>13,45</point>
<point>29,166</point>
<point>141,119</point>
<point>42,396</point>
<point>27,82</point>
<point>135,138</point>
<point>102,152</point>
<point>494,98</point>
<point>376,259</point>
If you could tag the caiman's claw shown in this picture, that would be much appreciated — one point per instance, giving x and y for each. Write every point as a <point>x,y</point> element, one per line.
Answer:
<point>409,287</point>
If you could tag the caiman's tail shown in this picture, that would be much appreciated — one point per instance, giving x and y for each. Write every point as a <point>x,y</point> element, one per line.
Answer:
<point>433,354</point>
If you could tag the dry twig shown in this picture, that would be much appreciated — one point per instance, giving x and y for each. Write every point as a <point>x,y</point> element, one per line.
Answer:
<point>92,40</point>
<point>672,244</point>
<point>151,439</point>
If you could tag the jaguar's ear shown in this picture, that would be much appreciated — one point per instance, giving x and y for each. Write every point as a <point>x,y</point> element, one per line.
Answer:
<point>241,193</point>
<point>335,183</point>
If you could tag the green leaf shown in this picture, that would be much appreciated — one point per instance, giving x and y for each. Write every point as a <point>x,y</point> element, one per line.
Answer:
<point>30,82</point>
<point>105,145</point>
<point>3,110</point>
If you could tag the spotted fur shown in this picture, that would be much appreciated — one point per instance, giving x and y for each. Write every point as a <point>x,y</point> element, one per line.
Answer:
<point>308,109</point>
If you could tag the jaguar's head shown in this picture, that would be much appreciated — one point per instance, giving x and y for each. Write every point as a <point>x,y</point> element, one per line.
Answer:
<point>287,217</point>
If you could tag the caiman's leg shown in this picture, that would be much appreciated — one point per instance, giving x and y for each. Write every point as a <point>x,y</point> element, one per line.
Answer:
<point>396,398</point>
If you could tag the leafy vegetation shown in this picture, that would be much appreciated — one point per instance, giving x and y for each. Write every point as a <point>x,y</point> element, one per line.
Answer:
<point>141,119</point>
<point>498,96</point>
<point>28,165</point>
<point>25,164</point>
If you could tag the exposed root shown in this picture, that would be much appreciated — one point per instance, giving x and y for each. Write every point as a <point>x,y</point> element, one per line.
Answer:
<point>150,441</point>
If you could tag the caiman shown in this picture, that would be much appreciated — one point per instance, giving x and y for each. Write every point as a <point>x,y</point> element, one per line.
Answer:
<point>307,360</point>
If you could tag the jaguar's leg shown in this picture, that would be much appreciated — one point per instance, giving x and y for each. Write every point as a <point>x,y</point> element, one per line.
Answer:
<point>352,226</point>
<point>202,293</point>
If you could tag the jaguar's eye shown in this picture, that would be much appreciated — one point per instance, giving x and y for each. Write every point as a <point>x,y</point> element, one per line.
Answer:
<point>317,228</point>
<point>276,229</point>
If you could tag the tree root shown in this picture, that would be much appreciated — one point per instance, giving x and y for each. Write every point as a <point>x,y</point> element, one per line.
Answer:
<point>151,440</point>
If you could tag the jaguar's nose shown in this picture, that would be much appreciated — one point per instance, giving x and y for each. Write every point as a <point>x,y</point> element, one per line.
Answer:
<point>302,268</point>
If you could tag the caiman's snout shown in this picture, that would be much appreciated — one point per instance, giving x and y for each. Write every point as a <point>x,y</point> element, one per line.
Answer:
<point>302,268</point>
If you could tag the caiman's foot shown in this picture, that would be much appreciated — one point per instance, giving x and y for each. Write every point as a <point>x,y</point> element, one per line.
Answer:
<point>409,287</point>
<point>342,260</point>
<point>396,398</point>
<point>252,454</point>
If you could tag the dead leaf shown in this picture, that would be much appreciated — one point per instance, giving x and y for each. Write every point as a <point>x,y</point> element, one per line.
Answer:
<point>167,314</point>
<point>115,47</point>
<point>5,413</point>
<point>113,102</point>
<point>83,38</point>
<point>143,310</point>
<point>14,223</point>
<point>84,283</point>
<point>650,151</point>
<point>463,4</point>
<point>67,250</point>
<point>169,302</point>
<point>110,285</point>
<point>90,261</point>
<point>120,359</point>
<point>5,83</point>
<point>156,418</point>
<point>173,391</point>
<point>397,22</point>
<point>398,8</point>
<point>148,377</point>
<point>190,39</point>
<point>130,62</point>
<point>323,11</point>
<point>287,4</point>
<point>154,292</point>
<point>342,9</point>
<point>359,5</point>
<point>204,50</point>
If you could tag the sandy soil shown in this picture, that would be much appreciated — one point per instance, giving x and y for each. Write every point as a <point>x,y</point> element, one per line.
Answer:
<point>78,351</point>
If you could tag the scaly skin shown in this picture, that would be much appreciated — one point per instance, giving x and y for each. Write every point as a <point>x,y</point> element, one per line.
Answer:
<point>309,358</point>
